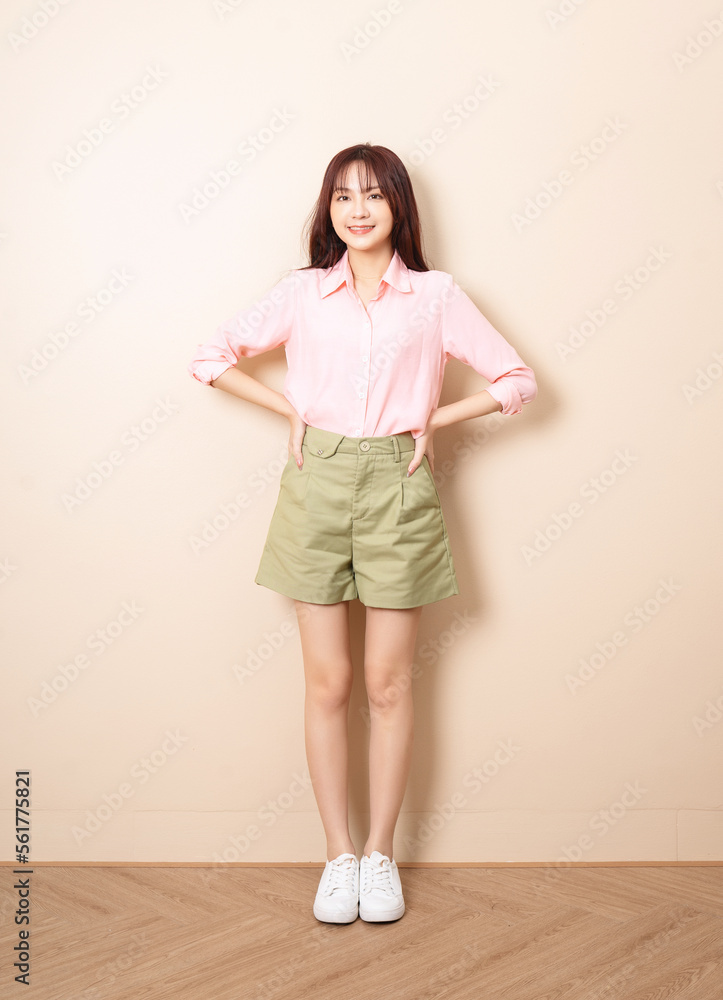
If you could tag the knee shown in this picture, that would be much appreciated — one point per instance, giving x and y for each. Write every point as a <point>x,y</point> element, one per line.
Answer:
<point>330,691</point>
<point>388,690</point>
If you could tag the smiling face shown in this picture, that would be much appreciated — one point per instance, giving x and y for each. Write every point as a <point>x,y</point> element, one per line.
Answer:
<point>361,218</point>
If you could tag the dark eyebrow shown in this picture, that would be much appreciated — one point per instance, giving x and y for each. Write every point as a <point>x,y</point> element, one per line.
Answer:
<point>364,190</point>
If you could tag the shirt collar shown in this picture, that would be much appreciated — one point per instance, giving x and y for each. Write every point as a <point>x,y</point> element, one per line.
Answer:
<point>396,274</point>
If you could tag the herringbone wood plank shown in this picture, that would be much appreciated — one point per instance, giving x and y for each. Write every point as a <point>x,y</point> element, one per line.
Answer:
<point>468,933</point>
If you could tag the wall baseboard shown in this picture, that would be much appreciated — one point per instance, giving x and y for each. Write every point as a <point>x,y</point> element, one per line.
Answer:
<point>401,864</point>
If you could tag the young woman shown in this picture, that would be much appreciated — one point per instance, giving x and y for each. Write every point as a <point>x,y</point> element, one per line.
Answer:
<point>367,329</point>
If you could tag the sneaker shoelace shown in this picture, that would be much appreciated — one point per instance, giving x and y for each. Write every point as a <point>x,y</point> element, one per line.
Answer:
<point>378,876</point>
<point>341,875</point>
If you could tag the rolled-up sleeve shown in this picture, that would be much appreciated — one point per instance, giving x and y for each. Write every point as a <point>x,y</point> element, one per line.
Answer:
<point>265,324</point>
<point>469,336</point>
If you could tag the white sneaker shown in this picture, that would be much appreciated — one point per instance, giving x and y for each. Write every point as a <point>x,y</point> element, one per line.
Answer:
<point>380,889</point>
<point>337,898</point>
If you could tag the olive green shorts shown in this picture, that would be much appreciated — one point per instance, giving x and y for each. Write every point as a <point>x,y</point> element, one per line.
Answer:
<point>351,523</point>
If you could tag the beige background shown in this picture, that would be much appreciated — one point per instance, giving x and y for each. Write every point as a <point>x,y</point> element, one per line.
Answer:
<point>154,690</point>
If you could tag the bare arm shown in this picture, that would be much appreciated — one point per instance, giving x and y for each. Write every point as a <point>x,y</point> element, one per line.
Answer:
<point>478,405</point>
<point>245,386</point>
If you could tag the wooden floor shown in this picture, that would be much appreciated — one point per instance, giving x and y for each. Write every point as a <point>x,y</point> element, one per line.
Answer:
<point>631,933</point>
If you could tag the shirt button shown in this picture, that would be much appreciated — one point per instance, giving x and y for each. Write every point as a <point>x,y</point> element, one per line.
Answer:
<point>361,395</point>
<point>365,446</point>
<point>365,358</point>
<point>357,432</point>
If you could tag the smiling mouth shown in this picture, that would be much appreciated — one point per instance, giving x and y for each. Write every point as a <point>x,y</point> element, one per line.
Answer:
<point>360,229</point>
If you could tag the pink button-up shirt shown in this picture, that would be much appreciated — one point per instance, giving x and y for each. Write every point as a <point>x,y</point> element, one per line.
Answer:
<point>371,372</point>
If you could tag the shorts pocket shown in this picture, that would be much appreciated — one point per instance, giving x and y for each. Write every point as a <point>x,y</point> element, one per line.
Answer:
<point>418,491</point>
<point>428,469</point>
<point>294,480</point>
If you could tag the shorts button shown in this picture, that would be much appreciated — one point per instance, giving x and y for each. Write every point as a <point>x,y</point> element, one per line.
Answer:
<point>320,451</point>
<point>365,446</point>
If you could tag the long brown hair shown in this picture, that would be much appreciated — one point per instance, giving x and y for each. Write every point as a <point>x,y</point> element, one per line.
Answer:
<point>325,247</point>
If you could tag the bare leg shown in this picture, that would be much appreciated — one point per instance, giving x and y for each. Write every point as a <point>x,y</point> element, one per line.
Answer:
<point>324,632</point>
<point>388,657</point>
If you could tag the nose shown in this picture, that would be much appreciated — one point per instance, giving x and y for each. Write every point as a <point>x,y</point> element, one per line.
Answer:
<point>360,210</point>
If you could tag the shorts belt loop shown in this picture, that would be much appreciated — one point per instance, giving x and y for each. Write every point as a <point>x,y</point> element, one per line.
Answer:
<point>397,449</point>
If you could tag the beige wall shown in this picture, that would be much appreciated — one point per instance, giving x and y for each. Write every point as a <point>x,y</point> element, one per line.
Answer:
<point>581,189</point>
